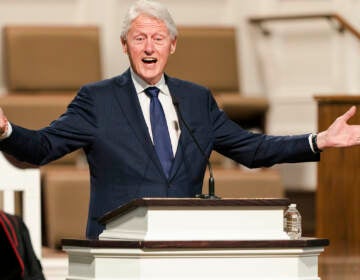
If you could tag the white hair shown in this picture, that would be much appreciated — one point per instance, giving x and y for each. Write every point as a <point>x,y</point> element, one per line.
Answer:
<point>152,9</point>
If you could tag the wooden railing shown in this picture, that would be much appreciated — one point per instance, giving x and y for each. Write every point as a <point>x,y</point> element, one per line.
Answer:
<point>342,24</point>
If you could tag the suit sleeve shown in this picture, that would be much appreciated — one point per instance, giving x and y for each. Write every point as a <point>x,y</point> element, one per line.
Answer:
<point>72,130</point>
<point>255,149</point>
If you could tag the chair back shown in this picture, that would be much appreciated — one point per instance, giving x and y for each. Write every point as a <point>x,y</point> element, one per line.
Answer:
<point>207,56</point>
<point>50,58</point>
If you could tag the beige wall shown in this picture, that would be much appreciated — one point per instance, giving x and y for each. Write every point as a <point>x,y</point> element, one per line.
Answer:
<point>289,67</point>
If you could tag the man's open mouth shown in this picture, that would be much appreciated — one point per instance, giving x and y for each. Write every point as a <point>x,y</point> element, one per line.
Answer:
<point>149,60</point>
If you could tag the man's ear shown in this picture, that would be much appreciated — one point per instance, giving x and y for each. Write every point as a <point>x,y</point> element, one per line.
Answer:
<point>124,45</point>
<point>173,46</point>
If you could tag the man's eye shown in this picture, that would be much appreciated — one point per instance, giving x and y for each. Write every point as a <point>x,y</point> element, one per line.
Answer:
<point>139,38</point>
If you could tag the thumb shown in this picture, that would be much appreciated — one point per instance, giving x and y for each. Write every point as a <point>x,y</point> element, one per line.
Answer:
<point>3,121</point>
<point>2,115</point>
<point>349,113</point>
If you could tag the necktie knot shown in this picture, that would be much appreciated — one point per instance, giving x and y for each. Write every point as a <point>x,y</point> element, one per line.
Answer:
<point>152,91</point>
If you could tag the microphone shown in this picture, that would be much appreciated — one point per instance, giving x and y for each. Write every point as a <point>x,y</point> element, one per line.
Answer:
<point>211,184</point>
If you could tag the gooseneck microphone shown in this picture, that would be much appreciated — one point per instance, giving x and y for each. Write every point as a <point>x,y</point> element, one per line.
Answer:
<point>211,185</point>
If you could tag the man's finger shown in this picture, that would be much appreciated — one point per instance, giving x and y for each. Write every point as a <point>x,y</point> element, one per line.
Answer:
<point>3,122</point>
<point>349,113</point>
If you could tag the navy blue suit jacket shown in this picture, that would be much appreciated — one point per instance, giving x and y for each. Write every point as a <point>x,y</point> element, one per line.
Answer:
<point>105,119</point>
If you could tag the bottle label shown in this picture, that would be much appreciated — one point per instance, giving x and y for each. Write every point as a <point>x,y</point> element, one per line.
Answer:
<point>292,223</point>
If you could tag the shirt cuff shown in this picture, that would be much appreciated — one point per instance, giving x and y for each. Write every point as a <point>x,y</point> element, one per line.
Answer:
<point>311,143</point>
<point>7,132</point>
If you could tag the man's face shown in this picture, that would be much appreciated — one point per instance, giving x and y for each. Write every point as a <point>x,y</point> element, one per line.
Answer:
<point>148,45</point>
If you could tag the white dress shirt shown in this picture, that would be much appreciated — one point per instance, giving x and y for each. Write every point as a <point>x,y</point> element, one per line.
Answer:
<point>7,132</point>
<point>166,102</point>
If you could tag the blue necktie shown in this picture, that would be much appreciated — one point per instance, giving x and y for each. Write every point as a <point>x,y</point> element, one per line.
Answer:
<point>160,130</point>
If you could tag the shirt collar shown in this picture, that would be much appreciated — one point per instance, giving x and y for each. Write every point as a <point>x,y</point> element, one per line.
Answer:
<point>141,85</point>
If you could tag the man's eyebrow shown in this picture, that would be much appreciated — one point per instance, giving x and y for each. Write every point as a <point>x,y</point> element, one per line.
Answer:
<point>137,33</point>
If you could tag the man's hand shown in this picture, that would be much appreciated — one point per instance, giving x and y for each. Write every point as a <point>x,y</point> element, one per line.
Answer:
<point>3,122</point>
<point>339,133</point>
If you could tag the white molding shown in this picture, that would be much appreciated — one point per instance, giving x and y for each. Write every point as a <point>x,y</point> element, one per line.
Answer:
<point>190,264</point>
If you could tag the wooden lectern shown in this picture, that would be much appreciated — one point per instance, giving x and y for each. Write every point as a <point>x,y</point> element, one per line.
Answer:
<point>338,183</point>
<point>188,239</point>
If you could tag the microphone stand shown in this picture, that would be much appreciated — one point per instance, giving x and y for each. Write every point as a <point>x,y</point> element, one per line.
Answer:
<point>211,184</point>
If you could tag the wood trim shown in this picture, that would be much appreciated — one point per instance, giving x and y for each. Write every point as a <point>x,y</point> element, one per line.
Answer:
<point>261,19</point>
<point>199,244</point>
<point>338,99</point>
<point>191,202</point>
<point>343,23</point>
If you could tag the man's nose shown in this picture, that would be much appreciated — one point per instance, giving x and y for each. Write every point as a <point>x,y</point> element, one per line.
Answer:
<point>149,46</point>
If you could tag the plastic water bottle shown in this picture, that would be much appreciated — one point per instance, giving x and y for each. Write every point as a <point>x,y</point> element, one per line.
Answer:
<point>292,222</point>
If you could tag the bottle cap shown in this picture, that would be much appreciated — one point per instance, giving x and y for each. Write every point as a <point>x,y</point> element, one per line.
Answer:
<point>292,205</point>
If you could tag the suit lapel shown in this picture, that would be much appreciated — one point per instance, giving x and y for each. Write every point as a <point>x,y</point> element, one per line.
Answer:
<point>129,103</point>
<point>185,137</point>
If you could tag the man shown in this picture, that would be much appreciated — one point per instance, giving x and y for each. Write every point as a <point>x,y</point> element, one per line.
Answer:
<point>116,122</point>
